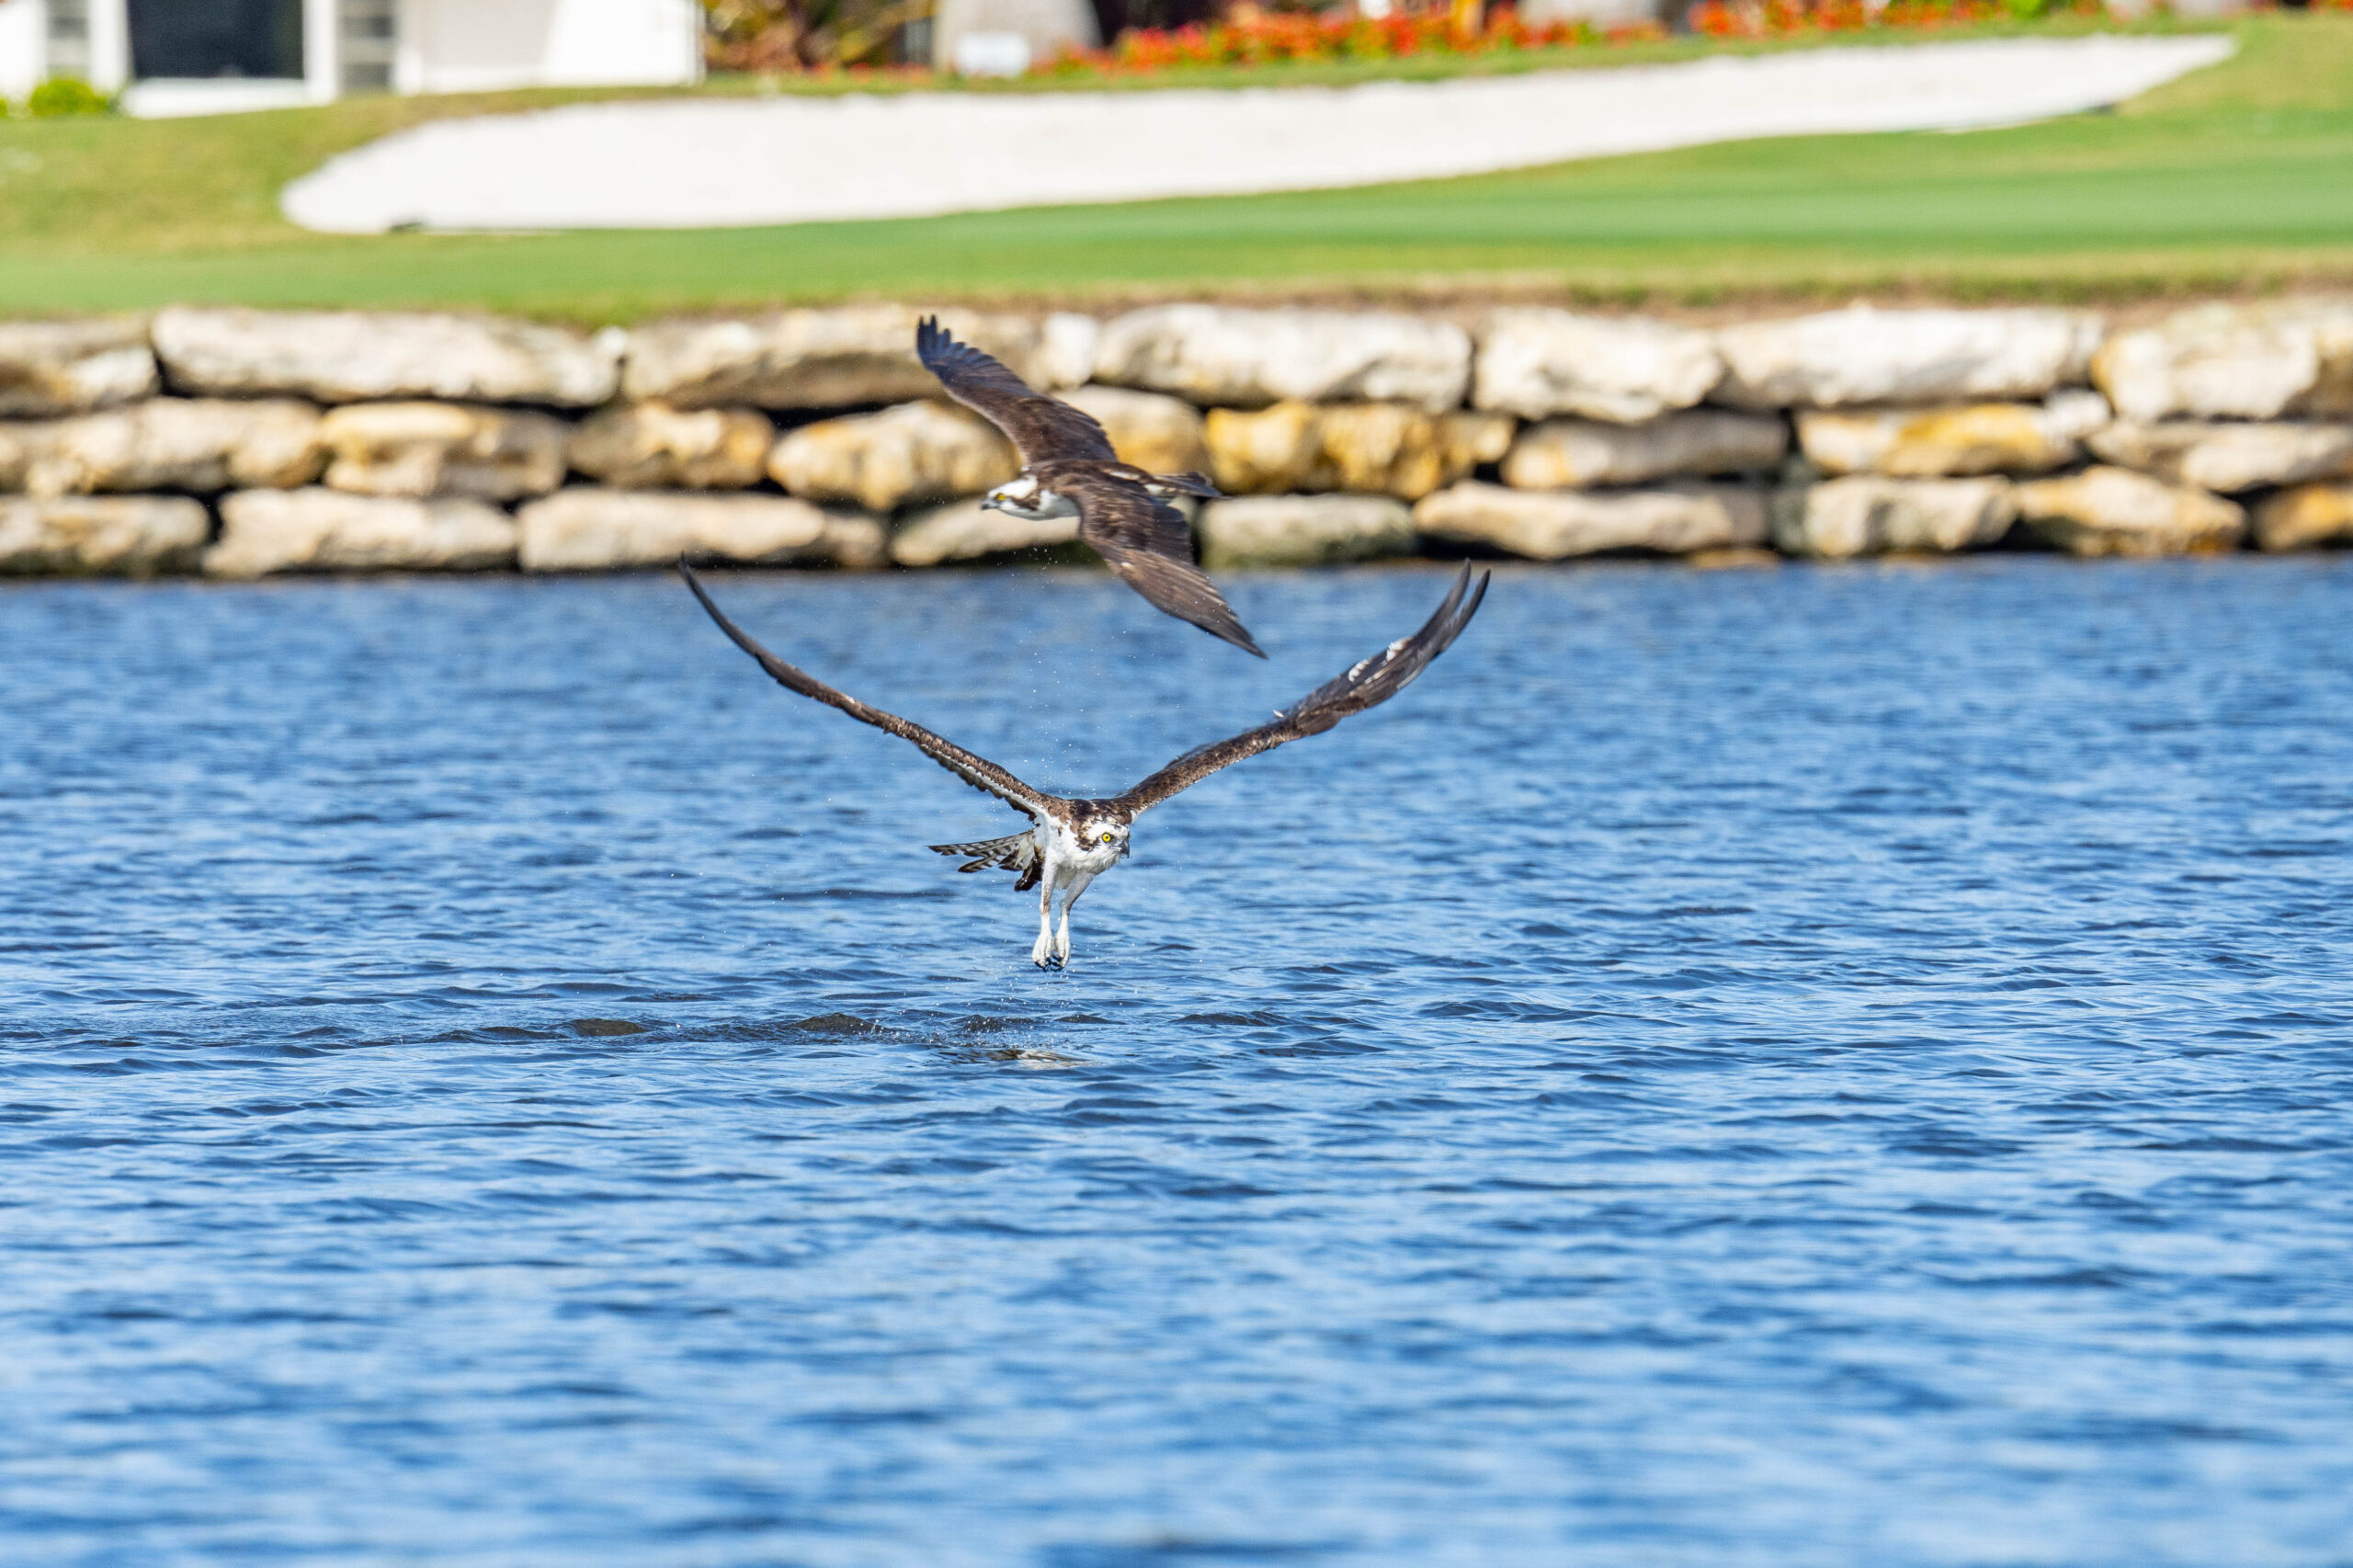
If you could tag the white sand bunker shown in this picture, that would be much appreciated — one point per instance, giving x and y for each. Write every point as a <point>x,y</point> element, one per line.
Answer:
<point>708,163</point>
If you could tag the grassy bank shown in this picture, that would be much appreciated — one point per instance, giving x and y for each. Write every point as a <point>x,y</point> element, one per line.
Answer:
<point>2242,173</point>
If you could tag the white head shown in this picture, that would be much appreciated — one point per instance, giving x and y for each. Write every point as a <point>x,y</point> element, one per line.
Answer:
<point>1025,497</point>
<point>1099,835</point>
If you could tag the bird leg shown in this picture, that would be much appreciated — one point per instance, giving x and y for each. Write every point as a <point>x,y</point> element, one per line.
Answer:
<point>1061,941</point>
<point>1040,953</point>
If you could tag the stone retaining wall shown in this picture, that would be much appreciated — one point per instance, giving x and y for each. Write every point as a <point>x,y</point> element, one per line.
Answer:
<point>242,443</point>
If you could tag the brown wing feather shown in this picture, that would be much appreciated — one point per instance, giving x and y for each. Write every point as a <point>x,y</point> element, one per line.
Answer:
<point>1365,685</point>
<point>1043,428</point>
<point>1150,545</point>
<point>979,772</point>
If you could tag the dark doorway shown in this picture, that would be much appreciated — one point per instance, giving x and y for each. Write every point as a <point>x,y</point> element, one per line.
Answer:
<point>216,38</point>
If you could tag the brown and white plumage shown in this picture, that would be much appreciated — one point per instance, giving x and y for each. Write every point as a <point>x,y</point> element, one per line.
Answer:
<point>1068,466</point>
<point>1071,842</point>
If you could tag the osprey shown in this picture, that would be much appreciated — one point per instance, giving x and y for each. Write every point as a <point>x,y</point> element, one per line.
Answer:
<point>1068,469</point>
<point>1070,842</point>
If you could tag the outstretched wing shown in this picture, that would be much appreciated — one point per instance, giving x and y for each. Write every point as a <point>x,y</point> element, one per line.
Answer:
<point>979,772</point>
<point>1150,545</point>
<point>1043,428</point>
<point>1365,685</point>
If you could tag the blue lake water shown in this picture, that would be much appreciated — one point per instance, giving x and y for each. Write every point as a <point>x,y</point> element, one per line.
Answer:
<point>1806,1068</point>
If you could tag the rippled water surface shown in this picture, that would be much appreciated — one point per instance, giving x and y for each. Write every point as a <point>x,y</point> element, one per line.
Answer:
<point>1803,1067</point>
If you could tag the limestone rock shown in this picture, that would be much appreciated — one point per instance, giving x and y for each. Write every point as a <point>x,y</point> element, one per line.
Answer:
<point>1870,515</point>
<point>48,369</point>
<point>961,531</point>
<point>443,449</point>
<point>2308,516</point>
<point>1066,344</point>
<point>1958,440</point>
<point>354,357</point>
<point>2234,361</point>
<point>2113,511</point>
<point>1303,530</point>
<point>917,451</point>
<point>1157,433</point>
<point>1578,454</point>
<point>588,530</point>
<point>651,446</point>
<point>196,444</point>
<point>2229,456</point>
<point>19,446</point>
<point>816,359</point>
<point>1537,363</point>
<point>1213,355</point>
<point>1367,447</point>
<point>1548,524</point>
<point>136,536</point>
<point>1841,358</point>
<point>265,531</point>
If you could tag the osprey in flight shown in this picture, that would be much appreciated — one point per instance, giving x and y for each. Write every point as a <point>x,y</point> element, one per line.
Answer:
<point>1071,842</point>
<point>1068,469</point>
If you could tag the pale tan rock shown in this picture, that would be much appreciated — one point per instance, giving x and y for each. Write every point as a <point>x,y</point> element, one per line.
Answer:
<point>2113,511</point>
<point>1540,362</point>
<point>585,529</point>
<point>1157,433</point>
<point>651,446</point>
<point>1066,346</point>
<point>1873,515</point>
<point>1953,440</point>
<point>2234,361</point>
<point>915,452</point>
<point>1860,355</point>
<point>1380,448</point>
<point>137,536</point>
<point>960,530</point>
<point>1214,355</point>
<point>1579,454</point>
<point>811,359</point>
<point>1367,447</point>
<point>356,357</point>
<point>1303,530</point>
<point>1549,524</point>
<point>19,444</point>
<point>48,369</point>
<point>2229,456</point>
<point>417,450</point>
<point>195,444</point>
<point>2306,516</point>
<point>268,531</point>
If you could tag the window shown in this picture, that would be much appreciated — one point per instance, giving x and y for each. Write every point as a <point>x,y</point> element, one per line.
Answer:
<point>69,38</point>
<point>370,37</point>
<point>224,37</point>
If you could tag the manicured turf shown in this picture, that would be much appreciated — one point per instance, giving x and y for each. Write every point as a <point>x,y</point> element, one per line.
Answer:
<point>2244,172</point>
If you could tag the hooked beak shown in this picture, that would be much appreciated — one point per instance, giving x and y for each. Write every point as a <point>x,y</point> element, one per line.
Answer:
<point>988,504</point>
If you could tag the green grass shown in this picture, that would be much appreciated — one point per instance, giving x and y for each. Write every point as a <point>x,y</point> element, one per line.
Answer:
<point>2241,175</point>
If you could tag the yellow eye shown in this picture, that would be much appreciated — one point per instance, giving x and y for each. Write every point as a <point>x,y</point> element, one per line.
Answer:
<point>1106,838</point>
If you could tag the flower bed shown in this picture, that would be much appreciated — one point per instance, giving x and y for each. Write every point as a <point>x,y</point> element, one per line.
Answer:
<point>1276,38</point>
<point>1272,38</point>
<point>1786,19</point>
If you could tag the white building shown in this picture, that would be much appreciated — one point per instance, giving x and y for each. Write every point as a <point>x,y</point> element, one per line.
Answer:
<point>177,57</point>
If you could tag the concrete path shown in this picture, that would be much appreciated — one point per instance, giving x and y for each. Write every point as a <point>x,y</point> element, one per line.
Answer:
<point>705,163</point>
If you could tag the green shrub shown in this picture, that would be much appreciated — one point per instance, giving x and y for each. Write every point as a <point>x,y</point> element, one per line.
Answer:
<point>63,96</point>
